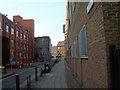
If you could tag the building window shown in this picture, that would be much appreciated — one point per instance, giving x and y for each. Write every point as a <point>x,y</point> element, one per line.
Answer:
<point>73,6</point>
<point>21,35</point>
<point>70,14</point>
<point>83,42</point>
<point>11,56</point>
<point>71,10</point>
<point>20,54</point>
<point>24,36</point>
<point>24,47</point>
<point>16,33</point>
<point>89,7</point>
<point>58,48</point>
<point>0,25</point>
<point>7,28</point>
<point>74,49</point>
<point>27,39</point>
<point>12,43</point>
<point>12,31</point>
<point>74,45</point>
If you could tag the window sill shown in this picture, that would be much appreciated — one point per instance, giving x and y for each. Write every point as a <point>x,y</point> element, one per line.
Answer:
<point>84,57</point>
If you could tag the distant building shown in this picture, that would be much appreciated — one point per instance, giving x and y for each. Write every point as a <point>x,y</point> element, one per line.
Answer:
<point>43,48</point>
<point>54,51</point>
<point>17,39</point>
<point>61,49</point>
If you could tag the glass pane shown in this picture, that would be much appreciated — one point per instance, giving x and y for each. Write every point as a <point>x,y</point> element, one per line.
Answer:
<point>83,42</point>
<point>7,28</point>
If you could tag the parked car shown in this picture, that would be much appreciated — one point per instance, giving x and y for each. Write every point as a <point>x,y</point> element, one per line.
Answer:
<point>15,64</point>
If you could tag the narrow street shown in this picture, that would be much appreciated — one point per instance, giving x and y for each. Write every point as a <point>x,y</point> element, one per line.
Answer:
<point>59,44</point>
<point>54,79</point>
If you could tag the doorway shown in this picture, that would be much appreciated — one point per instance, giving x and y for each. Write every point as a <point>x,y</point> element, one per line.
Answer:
<point>115,66</point>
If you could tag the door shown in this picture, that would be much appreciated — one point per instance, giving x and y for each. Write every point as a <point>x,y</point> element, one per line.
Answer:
<point>115,66</point>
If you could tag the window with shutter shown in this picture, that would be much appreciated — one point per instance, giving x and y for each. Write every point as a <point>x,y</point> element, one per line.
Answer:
<point>83,42</point>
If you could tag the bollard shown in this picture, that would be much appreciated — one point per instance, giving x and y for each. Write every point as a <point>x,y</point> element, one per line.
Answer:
<point>36,78</point>
<point>41,72</point>
<point>5,67</point>
<point>29,81</point>
<point>17,82</point>
<point>45,67</point>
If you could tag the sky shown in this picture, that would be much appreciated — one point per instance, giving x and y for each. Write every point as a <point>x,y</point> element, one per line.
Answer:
<point>49,16</point>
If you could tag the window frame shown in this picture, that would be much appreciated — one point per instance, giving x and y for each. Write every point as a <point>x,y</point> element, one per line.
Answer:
<point>12,43</point>
<point>73,6</point>
<point>90,5</point>
<point>83,48</point>
<point>12,31</point>
<point>17,33</point>
<point>21,35</point>
<point>7,28</point>
<point>24,37</point>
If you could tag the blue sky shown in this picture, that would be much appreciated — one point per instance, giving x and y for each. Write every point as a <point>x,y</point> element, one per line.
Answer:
<point>49,17</point>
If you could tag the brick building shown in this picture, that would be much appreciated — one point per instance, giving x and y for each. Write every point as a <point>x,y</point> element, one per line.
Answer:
<point>61,49</point>
<point>17,39</point>
<point>58,50</point>
<point>43,48</point>
<point>54,51</point>
<point>92,41</point>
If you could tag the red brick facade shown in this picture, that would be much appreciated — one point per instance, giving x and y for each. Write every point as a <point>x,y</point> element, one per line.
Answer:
<point>17,40</point>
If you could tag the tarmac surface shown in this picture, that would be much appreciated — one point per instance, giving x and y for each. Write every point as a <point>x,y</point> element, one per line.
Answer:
<point>12,71</point>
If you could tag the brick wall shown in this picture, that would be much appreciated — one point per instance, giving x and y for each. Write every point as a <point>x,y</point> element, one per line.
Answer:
<point>18,50</point>
<point>27,24</point>
<point>102,30</point>
<point>54,51</point>
<point>111,12</point>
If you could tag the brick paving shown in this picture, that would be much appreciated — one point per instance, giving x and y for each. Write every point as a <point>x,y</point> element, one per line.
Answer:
<point>59,77</point>
<point>54,79</point>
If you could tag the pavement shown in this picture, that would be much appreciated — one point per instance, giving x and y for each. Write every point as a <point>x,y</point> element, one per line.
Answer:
<point>54,79</point>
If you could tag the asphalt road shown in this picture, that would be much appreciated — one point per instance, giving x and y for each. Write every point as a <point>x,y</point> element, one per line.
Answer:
<point>10,82</point>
